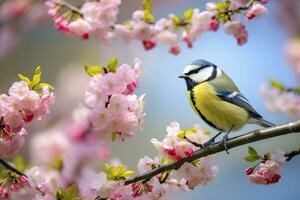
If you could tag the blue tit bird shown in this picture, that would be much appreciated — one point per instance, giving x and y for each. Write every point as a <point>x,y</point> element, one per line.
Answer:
<point>217,100</point>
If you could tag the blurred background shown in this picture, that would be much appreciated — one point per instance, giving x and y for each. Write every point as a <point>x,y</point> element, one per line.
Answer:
<point>62,59</point>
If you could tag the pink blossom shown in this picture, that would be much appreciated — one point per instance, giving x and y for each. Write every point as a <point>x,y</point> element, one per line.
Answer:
<point>19,90</point>
<point>10,147</point>
<point>94,93</point>
<point>292,54</point>
<point>118,104</point>
<point>201,23</point>
<point>145,164</point>
<point>214,25</point>
<point>199,174</point>
<point>268,173</point>
<point>100,117</point>
<point>47,146</point>
<point>111,84</point>
<point>127,74</point>
<point>278,156</point>
<point>80,27</point>
<point>249,170</point>
<point>52,8</point>
<point>8,39</point>
<point>280,101</point>
<point>257,10</point>
<point>102,187</point>
<point>237,29</point>
<point>175,50</point>
<point>14,8</point>
<point>149,44</point>
<point>43,181</point>
<point>177,147</point>
<point>124,32</point>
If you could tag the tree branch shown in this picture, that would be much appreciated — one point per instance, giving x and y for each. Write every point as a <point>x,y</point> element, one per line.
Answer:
<point>291,155</point>
<point>10,167</point>
<point>247,138</point>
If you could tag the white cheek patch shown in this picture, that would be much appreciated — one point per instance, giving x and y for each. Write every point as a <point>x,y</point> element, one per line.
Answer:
<point>189,68</point>
<point>202,75</point>
<point>219,72</point>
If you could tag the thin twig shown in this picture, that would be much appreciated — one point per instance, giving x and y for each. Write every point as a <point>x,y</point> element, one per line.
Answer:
<point>10,167</point>
<point>247,138</point>
<point>289,156</point>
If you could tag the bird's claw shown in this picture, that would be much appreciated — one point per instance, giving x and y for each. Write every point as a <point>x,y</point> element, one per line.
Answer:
<point>224,143</point>
<point>209,142</point>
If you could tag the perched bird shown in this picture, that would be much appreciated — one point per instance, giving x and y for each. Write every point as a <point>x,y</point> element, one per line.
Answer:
<point>217,100</point>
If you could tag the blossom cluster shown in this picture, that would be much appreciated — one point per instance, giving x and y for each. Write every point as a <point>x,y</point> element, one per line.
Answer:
<point>115,111</point>
<point>269,167</point>
<point>292,54</point>
<point>98,18</point>
<point>279,99</point>
<point>111,183</point>
<point>17,17</point>
<point>23,103</point>
<point>94,18</point>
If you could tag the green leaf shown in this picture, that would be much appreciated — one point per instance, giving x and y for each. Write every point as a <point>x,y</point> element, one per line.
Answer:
<point>221,6</point>
<point>127,173</point>
<point>277,84</point>
<point>181,134</point>
<point>176,20</point>
<point>114,136</point>
<point>187,15</point>
<point>19,163</point>
<point>165,160</point>
<point>148,17</point>
<point>36,77</point>
<point>58,163</point>
<point>68,194</point>
<point>41,85</point>
<point>252,151</point>
<point>112,64</point>
<point>24,78</point>
<point>116,173</point>
<point>227,4</point>
<point>93,70</point>
<point>252,158</point>
<point>147,5</point>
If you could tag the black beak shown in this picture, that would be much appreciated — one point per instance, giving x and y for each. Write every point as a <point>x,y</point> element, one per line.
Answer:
<point>182,76</point>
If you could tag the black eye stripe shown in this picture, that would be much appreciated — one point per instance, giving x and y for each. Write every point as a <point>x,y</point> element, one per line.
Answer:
<point>194,71</point>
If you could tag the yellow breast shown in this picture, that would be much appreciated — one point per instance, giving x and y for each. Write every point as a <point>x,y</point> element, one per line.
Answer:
<point>219,114</point>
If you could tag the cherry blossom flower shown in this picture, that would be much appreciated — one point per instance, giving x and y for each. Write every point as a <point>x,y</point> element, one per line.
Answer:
<point>97,18</point>
<point>292,54</point>
<point>177,144</point>
<point>115,111</point>
<point>257,10</point>
<point>268,169</point>
<point>238,30</point>
<point>198,174</point>
<point>268,173</point>
<point>47,146</point>
<point>21,106</point>
<point>280,101</point>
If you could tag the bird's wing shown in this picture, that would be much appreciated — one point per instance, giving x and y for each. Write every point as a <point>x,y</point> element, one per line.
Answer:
<point>237,99</point>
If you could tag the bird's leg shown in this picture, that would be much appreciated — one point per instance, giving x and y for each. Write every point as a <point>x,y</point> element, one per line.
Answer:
<point>211,140</point>
<point>224,140</point>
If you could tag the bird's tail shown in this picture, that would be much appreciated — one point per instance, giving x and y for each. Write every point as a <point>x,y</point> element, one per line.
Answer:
<point>264,123</point>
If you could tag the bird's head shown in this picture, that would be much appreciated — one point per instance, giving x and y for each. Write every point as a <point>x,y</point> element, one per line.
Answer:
<point>200,71</point>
